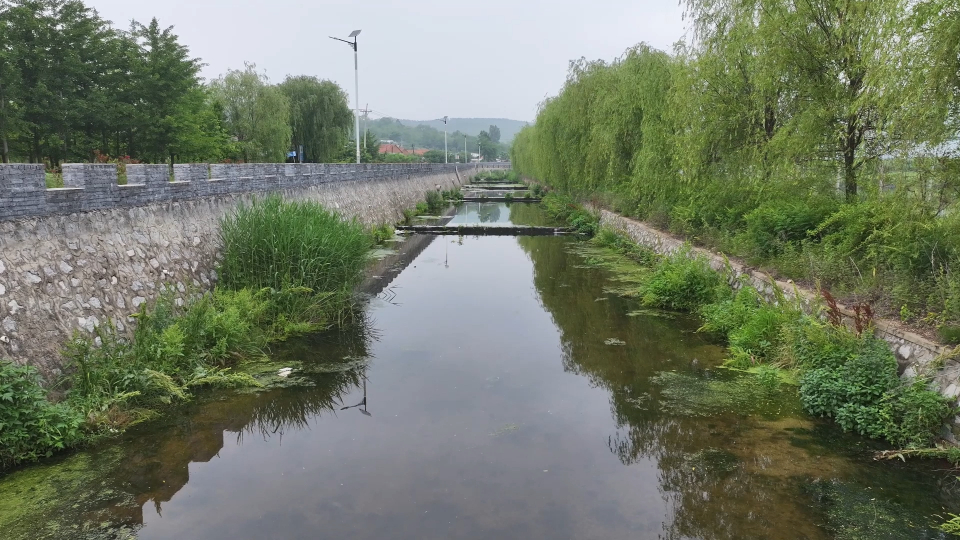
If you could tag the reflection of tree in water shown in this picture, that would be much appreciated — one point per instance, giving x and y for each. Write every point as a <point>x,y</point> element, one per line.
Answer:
<point>489,212</point>
<point>722,476</point>
<point>531,214</point>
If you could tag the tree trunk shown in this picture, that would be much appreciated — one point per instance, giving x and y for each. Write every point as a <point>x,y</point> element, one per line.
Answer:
<point>850,143</point>
<point>4,149</point>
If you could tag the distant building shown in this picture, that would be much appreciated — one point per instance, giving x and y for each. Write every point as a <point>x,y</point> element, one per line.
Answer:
<point>394,148</point>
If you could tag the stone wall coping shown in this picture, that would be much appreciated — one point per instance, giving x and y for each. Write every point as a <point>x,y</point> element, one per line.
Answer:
<point>94,186</point>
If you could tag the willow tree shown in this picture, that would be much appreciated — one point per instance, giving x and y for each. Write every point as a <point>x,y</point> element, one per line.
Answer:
<point>320,117</point>
<point>256,114</point>
<point>833,54</point>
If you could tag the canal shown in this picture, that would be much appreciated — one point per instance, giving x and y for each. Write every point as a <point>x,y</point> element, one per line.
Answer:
<point>494,387</point>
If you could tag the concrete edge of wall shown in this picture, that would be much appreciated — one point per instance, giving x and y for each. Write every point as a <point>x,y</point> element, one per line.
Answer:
<point>95,186</point>
<point>916,355</point>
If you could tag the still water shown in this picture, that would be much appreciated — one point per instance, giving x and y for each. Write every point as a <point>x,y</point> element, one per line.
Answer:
<point>495,389</point>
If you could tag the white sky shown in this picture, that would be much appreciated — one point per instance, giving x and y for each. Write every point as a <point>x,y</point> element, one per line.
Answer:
<point>419,59</point>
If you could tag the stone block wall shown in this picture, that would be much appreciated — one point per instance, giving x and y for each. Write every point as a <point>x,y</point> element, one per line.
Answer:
<point>94,251</point>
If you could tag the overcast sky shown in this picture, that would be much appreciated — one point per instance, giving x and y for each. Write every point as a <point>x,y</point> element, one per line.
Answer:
<point>419,59</point>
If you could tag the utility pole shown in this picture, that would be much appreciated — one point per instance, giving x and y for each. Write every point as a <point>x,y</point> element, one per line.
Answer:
<point>356,80</point>
<point>445,139</point>
<point>466,156</point>
<point>366,115</point>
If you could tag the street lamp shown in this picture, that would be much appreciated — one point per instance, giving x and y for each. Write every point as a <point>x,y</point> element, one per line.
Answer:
<point>356,77</point>
<point>466,156</point>
<point>445,139</point>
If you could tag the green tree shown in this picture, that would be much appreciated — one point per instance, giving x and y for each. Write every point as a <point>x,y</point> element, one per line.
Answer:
<point>434,156</point>
<point>169,102</point>
<point>60,52</point>
<point>256,115</point>
<point>320,116</point>
<point>494,134</point>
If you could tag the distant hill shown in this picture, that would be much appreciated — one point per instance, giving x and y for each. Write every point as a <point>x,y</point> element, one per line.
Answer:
<point>473,126</point>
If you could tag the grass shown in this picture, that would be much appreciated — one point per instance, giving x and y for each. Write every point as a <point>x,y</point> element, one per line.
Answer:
<point>287,268</point>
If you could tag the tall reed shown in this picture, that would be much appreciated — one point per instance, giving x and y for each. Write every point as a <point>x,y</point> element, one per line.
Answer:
<point>277,244</point>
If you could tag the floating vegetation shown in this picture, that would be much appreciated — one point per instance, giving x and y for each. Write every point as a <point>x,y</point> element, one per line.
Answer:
<point>32,501</point>
<point>644,312</point>
<point>614,341</point>
<point>854,513</point>
<point>348,363</point>
<point>641,402</point>
<point>714,461</point>
<point>506,428</point>
<point>709,394</point>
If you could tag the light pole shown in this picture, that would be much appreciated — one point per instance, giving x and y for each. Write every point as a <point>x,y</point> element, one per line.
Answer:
<point>445,139</point>
<point>356,80</point>
<point>466,156</point>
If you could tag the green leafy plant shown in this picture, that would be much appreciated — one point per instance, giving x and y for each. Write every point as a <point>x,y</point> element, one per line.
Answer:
<point>32,427</point>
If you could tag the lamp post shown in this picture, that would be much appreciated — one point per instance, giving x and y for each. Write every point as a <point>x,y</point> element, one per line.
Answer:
<point>445,139</point>
<point>466,156</point>
<point>356,80</point>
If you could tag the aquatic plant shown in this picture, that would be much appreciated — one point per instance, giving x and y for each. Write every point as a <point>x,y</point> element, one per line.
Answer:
<point>277,244</point>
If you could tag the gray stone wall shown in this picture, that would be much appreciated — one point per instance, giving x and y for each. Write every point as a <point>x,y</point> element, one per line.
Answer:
<point>915,353</point>
<point>93,251</point>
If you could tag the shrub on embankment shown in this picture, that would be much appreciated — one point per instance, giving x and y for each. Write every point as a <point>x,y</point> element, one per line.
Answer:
<point>287,268</point>
<point>844,374</point>
<point>724,143</point>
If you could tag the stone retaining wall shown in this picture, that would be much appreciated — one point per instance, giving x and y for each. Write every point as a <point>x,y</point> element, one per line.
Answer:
<point>915,354</point>
<point>76,257</point>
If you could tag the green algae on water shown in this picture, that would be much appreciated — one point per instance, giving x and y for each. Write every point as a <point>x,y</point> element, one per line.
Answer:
<point>72,498</point>
<point>711,393</point>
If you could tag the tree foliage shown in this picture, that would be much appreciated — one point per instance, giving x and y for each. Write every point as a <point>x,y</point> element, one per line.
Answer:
<point>320,116</point>
<point>74,88</point>
<point>256,114</point>
<point>817,136</point>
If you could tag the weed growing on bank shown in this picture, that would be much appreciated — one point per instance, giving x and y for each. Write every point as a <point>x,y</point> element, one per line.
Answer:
<point>845,374</point>
<point>563,208</point>
<point>31,427</point>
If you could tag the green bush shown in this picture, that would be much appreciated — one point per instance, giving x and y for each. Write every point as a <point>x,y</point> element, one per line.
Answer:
<point>280,245</point>
<point>30,426</point>
<point>854,380</point>
<point>564,208</point>
<point>774,225</point>
<point>683,282</point>
<point>435,202</point>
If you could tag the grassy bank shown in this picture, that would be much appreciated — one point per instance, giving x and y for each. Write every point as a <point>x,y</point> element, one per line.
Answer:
<point>845,374</point>
<point>286,268</point>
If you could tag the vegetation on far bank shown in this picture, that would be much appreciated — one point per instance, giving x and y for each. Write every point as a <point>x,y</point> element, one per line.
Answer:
<point>287,268</point>
<point>815,139</point>
<point>846,374</point>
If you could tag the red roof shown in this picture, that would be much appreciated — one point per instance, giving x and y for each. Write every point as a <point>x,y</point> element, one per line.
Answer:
<point>392,149</point>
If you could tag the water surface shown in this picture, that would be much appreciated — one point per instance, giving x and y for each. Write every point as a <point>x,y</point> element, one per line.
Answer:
<point>495,391</point>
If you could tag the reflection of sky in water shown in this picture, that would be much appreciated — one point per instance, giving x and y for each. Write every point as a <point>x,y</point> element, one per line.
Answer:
<point>481,212</point>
